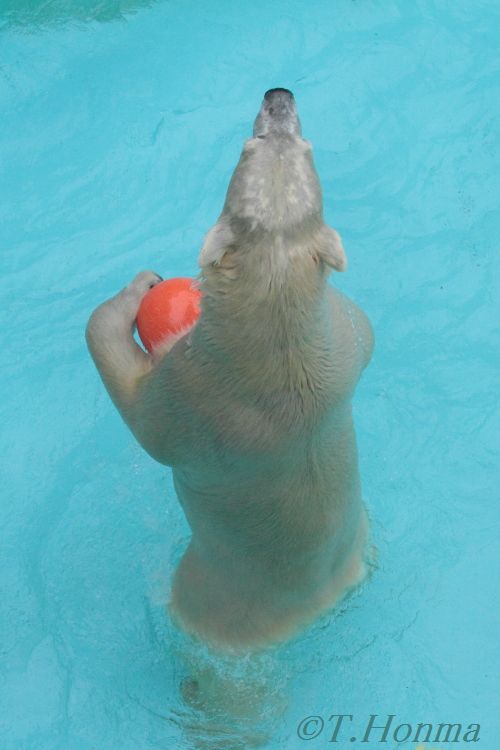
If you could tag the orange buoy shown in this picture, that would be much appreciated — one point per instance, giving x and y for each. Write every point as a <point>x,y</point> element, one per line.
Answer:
<point>169,308</point>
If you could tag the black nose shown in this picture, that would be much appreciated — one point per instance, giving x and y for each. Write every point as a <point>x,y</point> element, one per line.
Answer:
<point>271,92</point>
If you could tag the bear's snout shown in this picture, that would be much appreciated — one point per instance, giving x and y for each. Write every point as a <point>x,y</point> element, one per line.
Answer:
<point>278,113</point>
<point>274,93</point>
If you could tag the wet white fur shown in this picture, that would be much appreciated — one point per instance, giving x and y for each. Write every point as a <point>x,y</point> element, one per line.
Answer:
<point>252,408</point>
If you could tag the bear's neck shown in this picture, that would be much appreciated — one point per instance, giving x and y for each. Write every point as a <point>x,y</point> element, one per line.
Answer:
<point>265,319</point>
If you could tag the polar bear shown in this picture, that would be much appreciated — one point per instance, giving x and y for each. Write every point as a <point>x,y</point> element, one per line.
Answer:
<point>252,407</point>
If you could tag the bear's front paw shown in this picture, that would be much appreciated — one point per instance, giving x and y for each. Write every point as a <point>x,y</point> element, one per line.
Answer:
<point>143,282</point>
<point>130,298</point>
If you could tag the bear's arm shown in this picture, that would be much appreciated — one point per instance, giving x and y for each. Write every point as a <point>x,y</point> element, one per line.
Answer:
<point>128,372</point>
<point>352,320</point>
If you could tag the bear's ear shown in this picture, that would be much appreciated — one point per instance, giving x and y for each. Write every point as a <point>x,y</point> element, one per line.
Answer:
<point>217,242</point>
<point>331,250</point>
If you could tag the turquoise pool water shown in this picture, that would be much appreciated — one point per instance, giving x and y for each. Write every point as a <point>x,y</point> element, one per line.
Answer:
<point>121,123</point>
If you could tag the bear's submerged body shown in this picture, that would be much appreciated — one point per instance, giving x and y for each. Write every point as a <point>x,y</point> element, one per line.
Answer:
<point>272,547</point>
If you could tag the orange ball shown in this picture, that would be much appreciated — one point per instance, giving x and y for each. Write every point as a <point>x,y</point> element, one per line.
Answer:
<point>167,309</point>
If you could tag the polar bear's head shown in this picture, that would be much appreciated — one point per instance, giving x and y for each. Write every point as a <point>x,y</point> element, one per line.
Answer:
<point>274,191</point>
